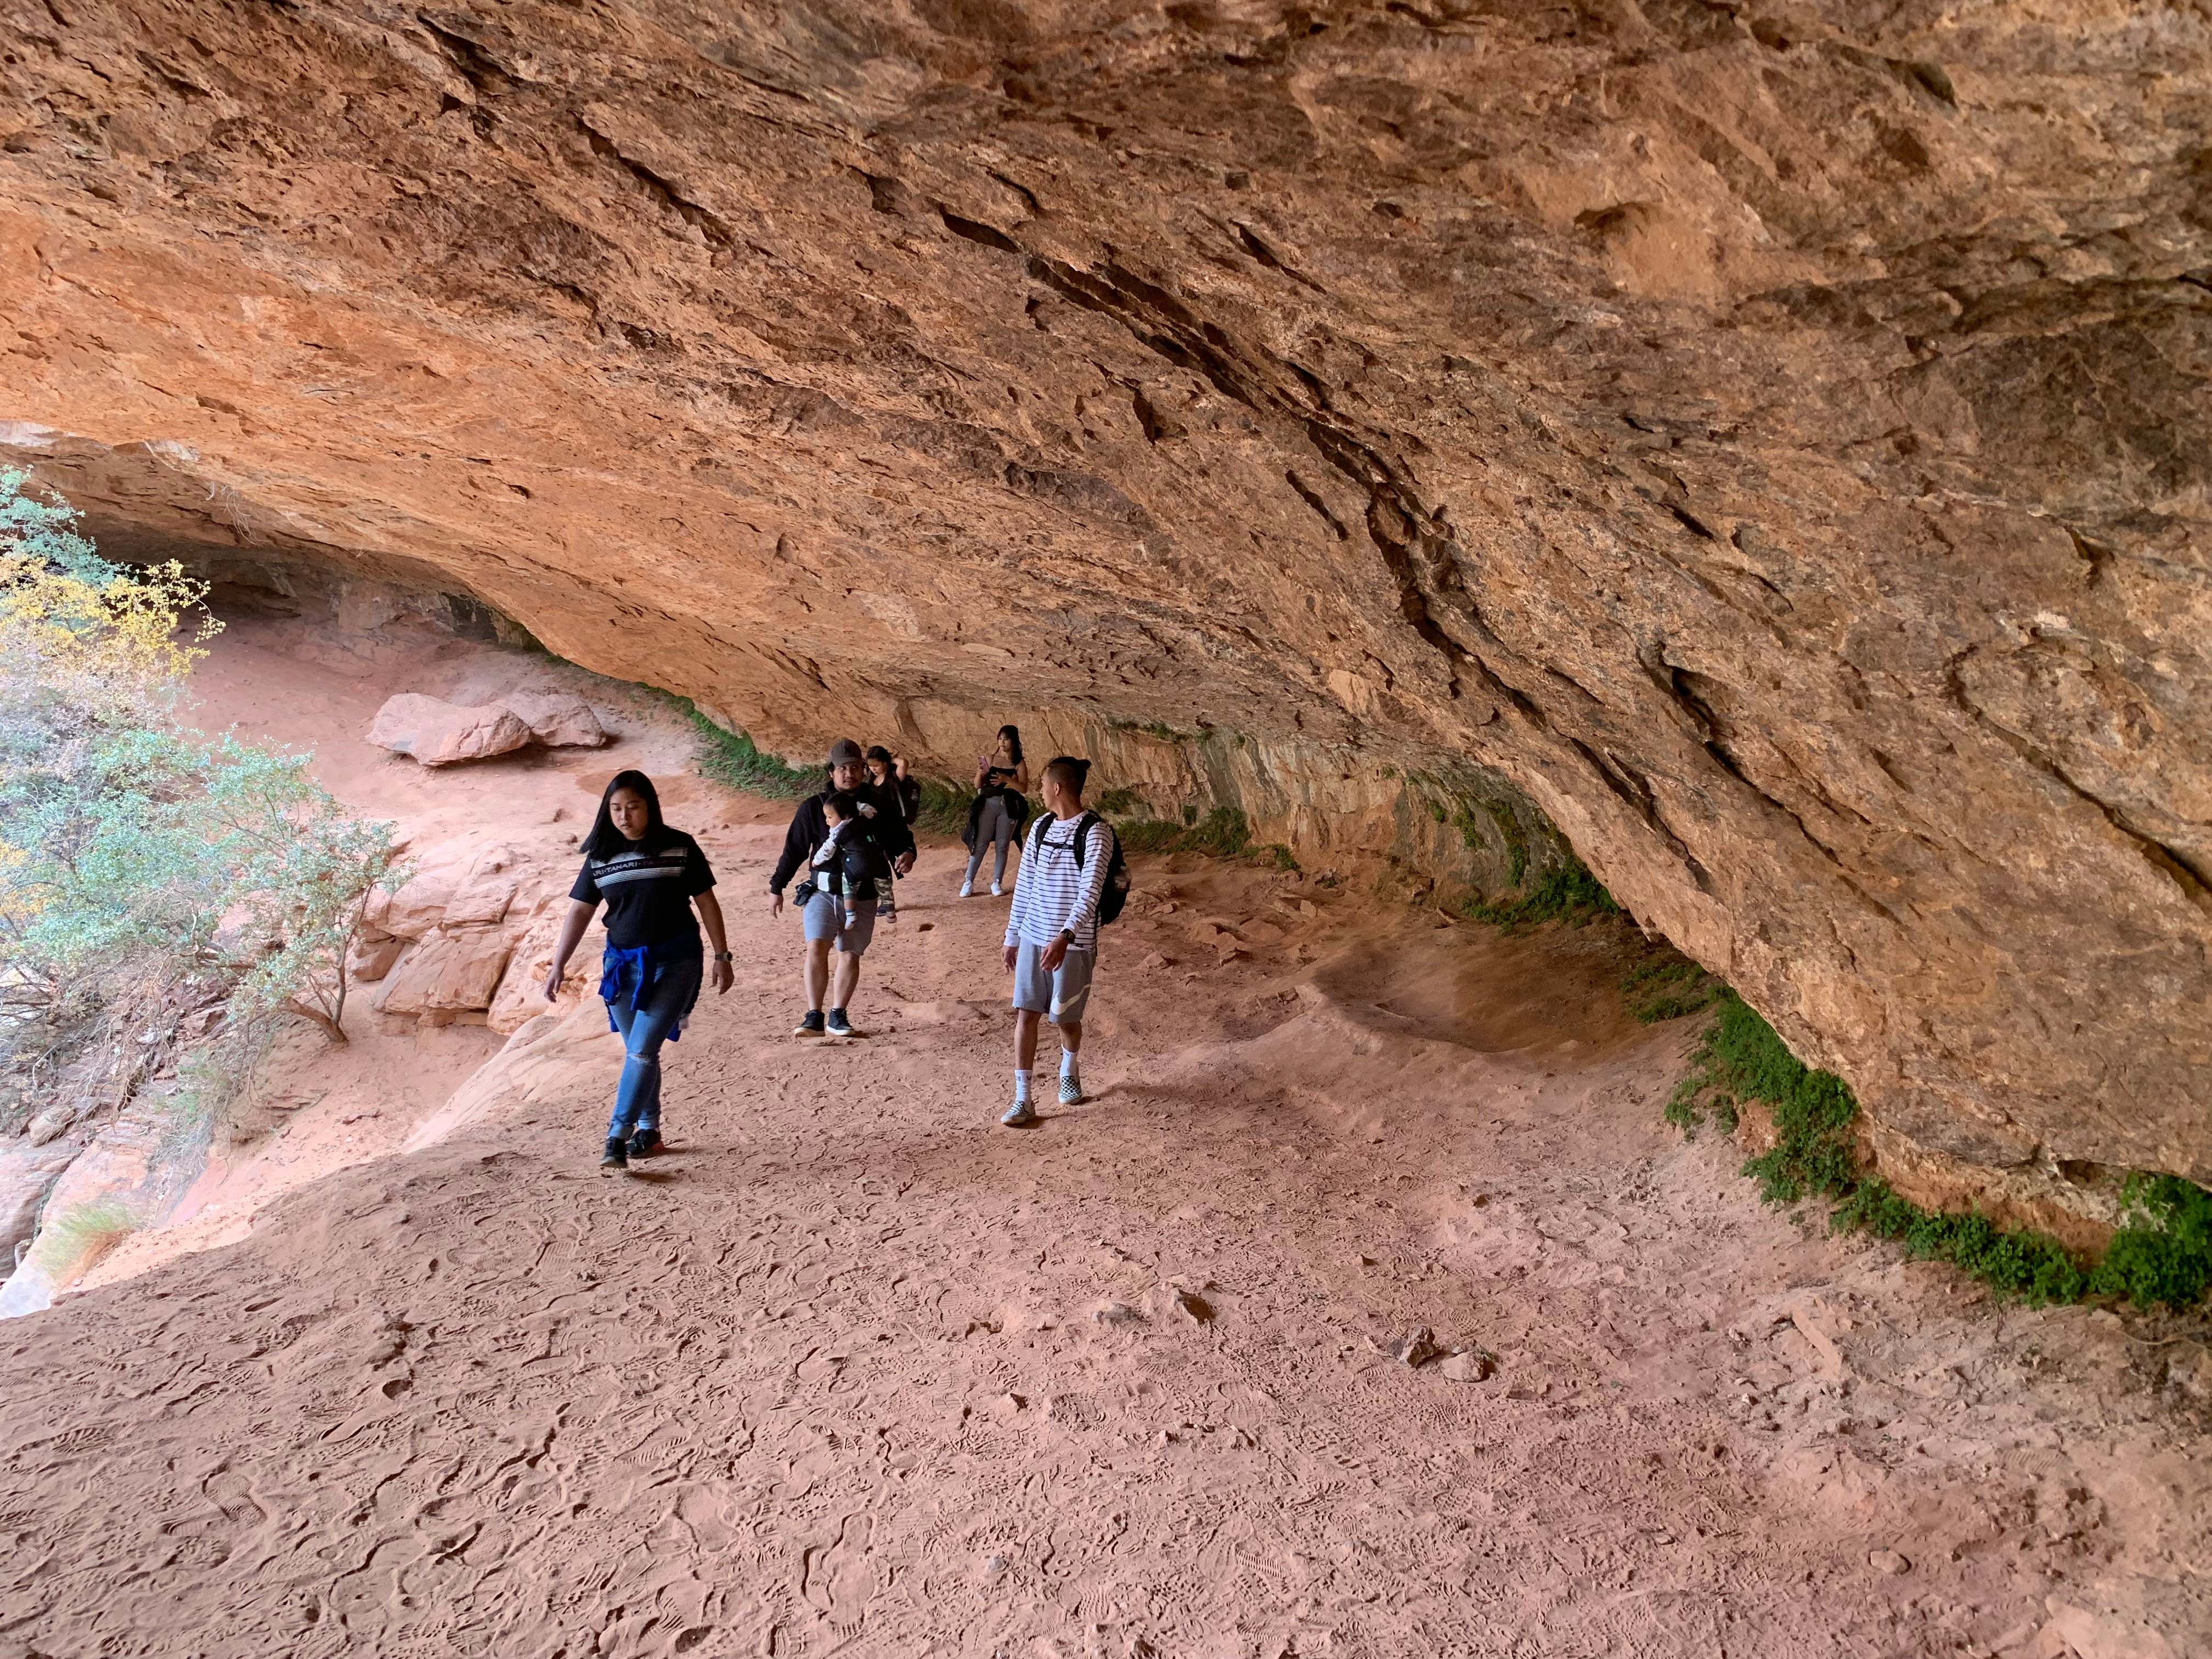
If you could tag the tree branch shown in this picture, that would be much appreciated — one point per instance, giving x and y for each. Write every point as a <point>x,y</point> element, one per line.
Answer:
<point>331,1027</point>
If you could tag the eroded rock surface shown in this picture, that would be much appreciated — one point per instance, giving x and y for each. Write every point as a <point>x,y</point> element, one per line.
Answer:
<point>1774,439</point>
<point>438,733</point>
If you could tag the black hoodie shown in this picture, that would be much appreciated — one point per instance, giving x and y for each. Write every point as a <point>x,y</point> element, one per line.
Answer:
<point>809,829</point>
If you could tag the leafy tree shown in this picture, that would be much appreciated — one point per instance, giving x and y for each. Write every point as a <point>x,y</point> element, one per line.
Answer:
<point>137,857</point>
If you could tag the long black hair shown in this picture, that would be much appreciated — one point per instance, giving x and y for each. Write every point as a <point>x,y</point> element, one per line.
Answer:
<point>606,841</point>
<point>1012,734</point>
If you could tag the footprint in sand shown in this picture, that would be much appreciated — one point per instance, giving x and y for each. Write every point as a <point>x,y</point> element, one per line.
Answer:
<point>840,1579</point>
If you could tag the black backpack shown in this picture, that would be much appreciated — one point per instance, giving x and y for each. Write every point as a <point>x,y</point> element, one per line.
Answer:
<point>1115,893</point>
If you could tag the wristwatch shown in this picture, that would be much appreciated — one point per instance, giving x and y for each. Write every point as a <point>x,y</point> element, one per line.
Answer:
<point>1068,936</point>
<point>721,956</point>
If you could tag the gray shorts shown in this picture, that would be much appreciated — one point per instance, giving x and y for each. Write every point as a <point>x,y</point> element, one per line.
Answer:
<point>1060,995</point>
<point>824,918</point>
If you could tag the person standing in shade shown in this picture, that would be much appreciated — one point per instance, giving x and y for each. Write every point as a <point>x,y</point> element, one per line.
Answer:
<point>651,878</point>
<point>1001,806</point>
<point>888,771</point>
<point>837,938</point>
<point>1052,931</point>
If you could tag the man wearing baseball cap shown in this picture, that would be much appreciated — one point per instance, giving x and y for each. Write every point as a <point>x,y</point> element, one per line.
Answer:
<point>838,934</point>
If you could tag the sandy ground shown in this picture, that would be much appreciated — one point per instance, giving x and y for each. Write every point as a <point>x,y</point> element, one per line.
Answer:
<point>853,1370</point>
<point>299,684</point>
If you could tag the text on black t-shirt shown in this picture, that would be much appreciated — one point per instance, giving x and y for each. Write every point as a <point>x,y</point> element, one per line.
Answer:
<point>648,887</point>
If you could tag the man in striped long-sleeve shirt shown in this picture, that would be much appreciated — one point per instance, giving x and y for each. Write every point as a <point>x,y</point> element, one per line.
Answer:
<point>1052,933</point>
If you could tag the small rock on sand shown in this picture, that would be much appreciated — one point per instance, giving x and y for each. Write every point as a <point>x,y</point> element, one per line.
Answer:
<point>1116,1313</point>
<point>1418,1348</point>
<point>1193,1307</point>
<point>1889,1561</point>
<point>1470,1366</point>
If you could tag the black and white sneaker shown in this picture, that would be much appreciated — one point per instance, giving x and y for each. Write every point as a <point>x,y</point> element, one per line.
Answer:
<point>839,1025</point>
<point>1019,1116</point>
<point>616,1156</point>
<point>811,1025</point>
<point>1071,1091</point>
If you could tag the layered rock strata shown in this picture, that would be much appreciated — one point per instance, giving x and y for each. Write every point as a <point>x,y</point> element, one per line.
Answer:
<point>1773,438</point>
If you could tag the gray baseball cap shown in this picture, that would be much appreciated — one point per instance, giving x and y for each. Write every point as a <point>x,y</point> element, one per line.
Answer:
<point>845,751</point>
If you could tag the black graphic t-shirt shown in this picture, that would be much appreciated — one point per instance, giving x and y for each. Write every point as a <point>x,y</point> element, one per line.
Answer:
<point>648,887</point>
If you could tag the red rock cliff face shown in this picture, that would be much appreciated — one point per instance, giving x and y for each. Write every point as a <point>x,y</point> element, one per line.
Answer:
<point>1773,437</point>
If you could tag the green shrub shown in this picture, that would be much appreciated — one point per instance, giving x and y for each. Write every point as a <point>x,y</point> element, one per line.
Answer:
<point>1149,836</point>
<point>1668,986</point>
<point>2025,1265</point>
<point>734,759</point>
<point>1158,730</point>
<point>1222,833</point>
<point>943,810</point>
<point>1509,832</point>
<point>147,871</point>
<point>1568,892</point>
<point>75,1241</point>
<point>2163,1253</point>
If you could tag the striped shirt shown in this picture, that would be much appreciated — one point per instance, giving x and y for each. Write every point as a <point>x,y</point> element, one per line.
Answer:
<point>648,887</point>
<point>1050,894</point>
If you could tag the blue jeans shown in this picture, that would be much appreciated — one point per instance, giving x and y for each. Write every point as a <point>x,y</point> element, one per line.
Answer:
<point>637,1098</point>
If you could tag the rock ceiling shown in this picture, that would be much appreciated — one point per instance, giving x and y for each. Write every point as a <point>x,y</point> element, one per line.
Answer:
<point>1774,438</point>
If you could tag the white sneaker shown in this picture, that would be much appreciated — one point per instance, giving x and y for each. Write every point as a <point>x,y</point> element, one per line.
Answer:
<point>1019,1116</point>
<point>967,889</point>
<point>995,892</point>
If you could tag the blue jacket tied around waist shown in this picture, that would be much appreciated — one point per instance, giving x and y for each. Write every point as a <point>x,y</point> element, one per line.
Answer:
<point>635,972</point>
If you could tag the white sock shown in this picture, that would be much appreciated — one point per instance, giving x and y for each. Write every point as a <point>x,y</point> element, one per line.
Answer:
<point>1067,1066</point>
<point>1021,1087</point>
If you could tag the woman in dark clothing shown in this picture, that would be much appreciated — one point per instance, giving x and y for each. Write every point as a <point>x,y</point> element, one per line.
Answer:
<point>1000,808</point>
<point>651,877</point>
<point>888,771</point>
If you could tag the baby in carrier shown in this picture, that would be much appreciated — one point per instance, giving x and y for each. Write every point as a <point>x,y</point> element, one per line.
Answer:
<point>849,866</point>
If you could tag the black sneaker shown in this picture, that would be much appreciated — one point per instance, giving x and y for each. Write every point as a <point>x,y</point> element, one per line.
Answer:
<point>617,1157</point>
<point>811,1025</point>
<point>839,1025</point>
<point>645,1143</point>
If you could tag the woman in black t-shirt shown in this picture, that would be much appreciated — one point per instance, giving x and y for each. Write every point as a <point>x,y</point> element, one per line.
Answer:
<point>888,771</point>
<point>651,877</point>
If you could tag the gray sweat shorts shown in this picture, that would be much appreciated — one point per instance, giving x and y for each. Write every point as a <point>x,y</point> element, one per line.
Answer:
<point>1060,995</point>
<point>824,918</point>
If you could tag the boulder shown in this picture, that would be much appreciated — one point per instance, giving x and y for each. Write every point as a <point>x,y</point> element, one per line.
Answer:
<point>438,733</point>
<point>373,958</point>
<point>559,720</point>
<point>451,969</point>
